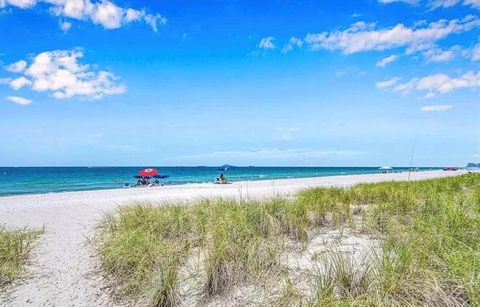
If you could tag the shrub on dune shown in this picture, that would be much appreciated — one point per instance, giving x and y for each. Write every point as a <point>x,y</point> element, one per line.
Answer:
<point>15,246</point>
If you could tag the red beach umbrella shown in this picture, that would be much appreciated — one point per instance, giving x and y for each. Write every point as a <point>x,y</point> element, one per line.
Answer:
<point>148,172</point>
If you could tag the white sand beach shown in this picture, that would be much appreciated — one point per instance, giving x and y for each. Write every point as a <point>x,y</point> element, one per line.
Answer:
<point>63,270</point>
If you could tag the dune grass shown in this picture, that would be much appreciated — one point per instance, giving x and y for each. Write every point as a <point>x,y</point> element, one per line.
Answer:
<point>15,246</point>
<point>429,233</point>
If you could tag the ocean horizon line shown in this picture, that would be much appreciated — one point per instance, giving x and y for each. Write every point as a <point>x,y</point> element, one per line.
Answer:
<point>236,166</point>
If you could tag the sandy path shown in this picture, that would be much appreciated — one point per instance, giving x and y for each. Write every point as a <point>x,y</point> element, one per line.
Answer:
<point>62,271</point>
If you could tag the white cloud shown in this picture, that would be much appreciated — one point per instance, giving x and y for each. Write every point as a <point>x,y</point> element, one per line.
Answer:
<point>23,4</point>
<point>443,3</point>
<point>65,26</point>
<point>267,43</point>
<point>387,84</point>
<point>292,43</point>
<point>154,20</point>
<point>439,55</point>
<point>108,15</point>
<point>476,52</point>
<point>105,12</point>
<point>393,1</point>
<point>474,3</point>
<point>19,100</point>
<point>59,73</point>
<point>436,84</point>
<point>434,4</point>
<point>132,15</point>
<point>436,108</point>
<point>387,60</point>
<point>17,67</point>
<point>361,36</point>
<point>20,82</point>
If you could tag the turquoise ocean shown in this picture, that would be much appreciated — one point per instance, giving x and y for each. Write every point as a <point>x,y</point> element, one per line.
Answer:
<point>27,180</point>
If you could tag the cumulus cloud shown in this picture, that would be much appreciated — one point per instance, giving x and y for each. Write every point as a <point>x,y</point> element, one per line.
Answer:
<point>20,82</point>
<point>60,74</point>
<point>435,84</point>
<point>387,60</point>
<point>267,43</point>
<point>387,83</point>
<point>439,55</point>
<point>104,13</point>
<point>17,67</point>
<point>292,43</point>
<point>436,108</point>
<point>19,100</point>
<point>23,4</point>
<point>361,36</point>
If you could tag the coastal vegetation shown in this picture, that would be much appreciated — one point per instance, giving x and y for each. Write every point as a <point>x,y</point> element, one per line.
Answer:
<point>391,243</point>
<point>15,246</point>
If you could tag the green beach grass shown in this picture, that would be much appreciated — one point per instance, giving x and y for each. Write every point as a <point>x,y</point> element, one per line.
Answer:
<point>427,234</point>
<point>15,246</point>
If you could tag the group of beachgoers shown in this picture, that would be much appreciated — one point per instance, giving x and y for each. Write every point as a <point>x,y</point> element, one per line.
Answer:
<point>146,176</point>
<point>145,182</point>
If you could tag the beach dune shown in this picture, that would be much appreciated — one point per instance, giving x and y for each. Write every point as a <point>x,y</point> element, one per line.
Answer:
<point>63,270</point>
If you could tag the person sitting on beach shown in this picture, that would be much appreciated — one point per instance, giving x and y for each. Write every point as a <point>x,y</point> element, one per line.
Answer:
<point>222,179</point>
<point>139,182</point>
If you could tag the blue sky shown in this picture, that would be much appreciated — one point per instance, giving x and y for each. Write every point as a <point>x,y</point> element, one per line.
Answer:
<point>311,83</point>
